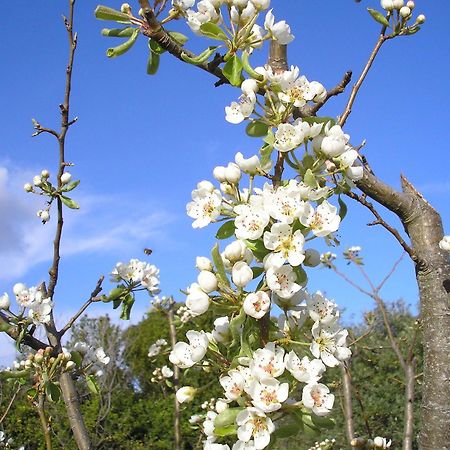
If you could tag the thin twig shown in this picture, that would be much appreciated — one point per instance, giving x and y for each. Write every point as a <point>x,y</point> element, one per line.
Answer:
<point>40,405</point>
<point>11,402</point>
<point>92,299</point>
<point>390,273</point>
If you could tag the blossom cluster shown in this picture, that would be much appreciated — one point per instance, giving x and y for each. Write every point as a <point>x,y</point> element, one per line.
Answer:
<point>137,273</point>
<point>30,299</point>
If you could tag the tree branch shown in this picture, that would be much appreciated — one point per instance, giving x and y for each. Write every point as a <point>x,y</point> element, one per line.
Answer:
<point>44,421</point>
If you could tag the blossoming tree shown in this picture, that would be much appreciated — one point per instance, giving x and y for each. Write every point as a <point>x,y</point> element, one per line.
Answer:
<point>273,207</point>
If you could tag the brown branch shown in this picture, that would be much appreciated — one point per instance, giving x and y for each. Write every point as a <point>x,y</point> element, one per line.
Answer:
<point>154,30</point>
<point>13,332</point>
<point>311,110</point>
<point>347,403</point>
<point>176,376</point>
<point>348,108</point>
<point>92,299</point>
<point>40,406</point>
<point>11,402</point>
<point>380,221</point>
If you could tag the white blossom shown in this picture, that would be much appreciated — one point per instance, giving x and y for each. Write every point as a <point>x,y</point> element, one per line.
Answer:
<point>288,137</point>
<point>304,369</point>
<point>101,356</point>
<point>186,394</point>
<point>381,442</point>
<point>205,205</point>
<point>254,424</point>
<point>317,397</point>
<point>241,274</point>
<point>322,221</point>
<point>321,309</point>
<point>329,344</point>
<point>167,372</point>
<point>279,31</point>
<point>5,302</point>
<point>282,281</point>
<point>237,112</point>
<point>268,394</point>
<point>40,311</point>
<point>256,304</point>
<point>286,246</point>
<point>233,384</point>
<point>250,165</point>
<point>251,219</point>
<point>221,332</point>
<point>267,362</point>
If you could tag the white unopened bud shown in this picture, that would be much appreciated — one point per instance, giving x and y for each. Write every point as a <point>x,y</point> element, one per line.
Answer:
<point>405,12</point>
<point>420,18</point>
<point>250,165</point>
<point>221,406</point>
<point>226,188</point>
<point>207,281</point>
<point>37,180</point>
<point>70,365</point>
<point>18,288</point>
<point>65,177</point>
<point>45,174</point>
<point>219,173</point>
<point>411,5</point>
<point>28,187</point>
<point>398,3</point>
<point>312,257</point>
<point>207,185</point>
<point>44,215</point>
<point>126,8</point>
<point>241,274</point>
<point>186,394</point>
<point>203,263</point>
<point>444,244</point>
<point>232,173</point>
<point>5,302</point>
<point>249,87</point>
<point>387,5</point>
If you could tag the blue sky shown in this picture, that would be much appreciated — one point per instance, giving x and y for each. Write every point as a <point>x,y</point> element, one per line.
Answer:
<point>142,143</point>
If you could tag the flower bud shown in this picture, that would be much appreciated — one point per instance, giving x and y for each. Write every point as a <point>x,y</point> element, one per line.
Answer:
<point>249,87</point>
<point>38,358</point>
<point>65,178</point>
<point>18,288</point>
<point>48,350</point>
<point>70,365</point>
<point>398,3</point>
<point>250,165</point>
<point>203,263</point>
<point>197,300</point>
<point>28,187</point>
<point>44,215</point>
<point>45,174</point>
<point>37,180</point>
<point>261,4</point>
<point>312,257</point>
<point>186,394</point>
<point>387,5</point>
<point>444,244</point>
<point>241,274</point>
<point>207,281</point>
<point>405,12</point>
<point>125,8</point>
<point>411,5</point>
<point>207,185</point>
<point>5,302</point>
<point>219,173</point>
<point>420,18</point>
<point>226,188</point>
<point>221,406</point>
<point>232,173</point>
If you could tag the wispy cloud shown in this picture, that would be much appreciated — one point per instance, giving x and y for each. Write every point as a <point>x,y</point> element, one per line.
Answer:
<point>100,226</point>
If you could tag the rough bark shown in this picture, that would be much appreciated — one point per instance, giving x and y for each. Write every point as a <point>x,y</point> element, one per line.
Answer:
<point>432,265</point>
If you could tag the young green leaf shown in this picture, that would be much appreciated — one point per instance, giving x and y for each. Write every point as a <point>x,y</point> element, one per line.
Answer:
<point>200,59</point>
<point>257,129</point>
<point>310,179</point>
<point>232,70</point>
<point>378,17</point>
<point>249,69</point>
<point>227,417</point>
<point>72,204</point>
<point>152,63</point>
<point>92,384</point>
<point>213,31</point>
<point>70,186</point>
<point>179,37</point>
<point>105,13</point>
<point>52,391</point>
<point>118,32</point>
<point>218,262</point>
<point>123,48</point>
<point>342,208</point>
<point>226,230</point>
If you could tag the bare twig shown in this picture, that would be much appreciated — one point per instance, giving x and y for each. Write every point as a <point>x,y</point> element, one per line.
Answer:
<point>40,406</point>
<point>92,299</point>
<point>347,402</point>
<point>11,402</point>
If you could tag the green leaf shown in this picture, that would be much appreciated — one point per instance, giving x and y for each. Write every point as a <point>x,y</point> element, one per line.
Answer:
<point>227,417</point>
<point>226,230</point>
<point>258,249</point>
<point>105,13</point>
<point>52,391</point>
<point>92,384</point>
<point>232,70</point>
<point>310,179</point>
<point>72,204</point>
<point>257,271</point>
<point>118,32</point>
<point>127,304</point>
<point>76,358</point>
<point>235,327</point>
<point>123,48</point>
<point>116,293</point>
<point>266,154</point>
<point>313,119</point>
<point>257,129</point>
<point>218,262</point>
<point>378,17</point>
<point>287,430</point>
<point>302,277</point>
<point>270,138</point>
<point>307,162</point>
<point>249,69</point>
<point>179,37</point>
<point>213,31</point>
<point>323,422</point>
<point>155,47</point>
<point>200,59</point>
<point>342,208</point>
<point>152,63</point>
<point>70,186</point>
<point>309,427</point>
<point>225,431</point>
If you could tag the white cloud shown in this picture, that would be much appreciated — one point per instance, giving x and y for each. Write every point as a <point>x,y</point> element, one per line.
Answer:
<point>103,224</point>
